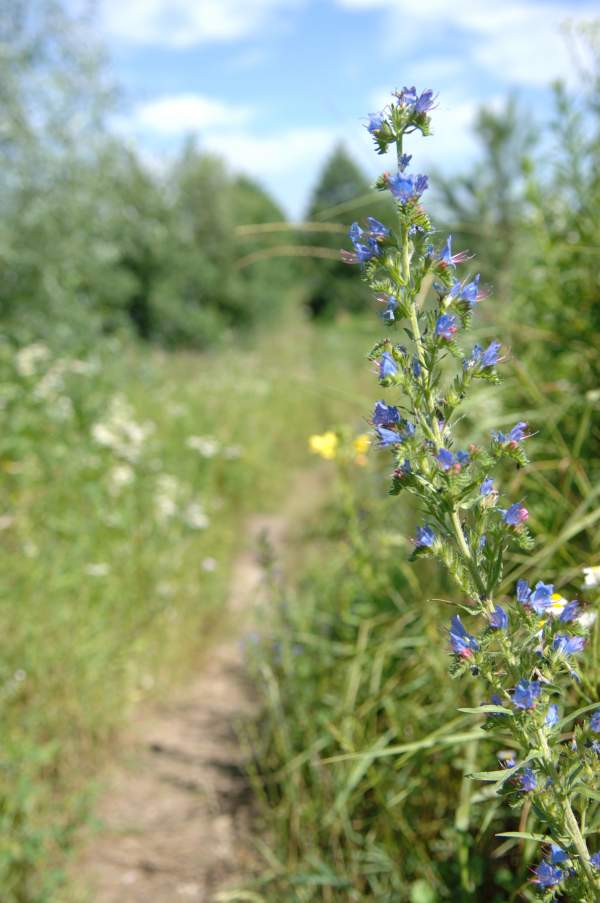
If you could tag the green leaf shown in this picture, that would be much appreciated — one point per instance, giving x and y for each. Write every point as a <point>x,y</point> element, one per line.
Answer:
<point>484,709</point>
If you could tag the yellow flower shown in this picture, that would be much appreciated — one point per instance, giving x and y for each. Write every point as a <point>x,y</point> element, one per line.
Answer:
<point>325,445</point>
<point>361,445</point>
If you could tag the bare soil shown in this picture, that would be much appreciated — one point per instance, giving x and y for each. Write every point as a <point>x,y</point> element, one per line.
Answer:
<point>176,810</point>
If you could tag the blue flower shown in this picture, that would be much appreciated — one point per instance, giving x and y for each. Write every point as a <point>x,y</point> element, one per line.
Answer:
<point>445,458</point>
<point>557,854</point>
<point>541,597</point>
<point>448,259</point>
<point>403,161</point>
<point>523,592</point>
<point>407,429</point>
<point>487,487</point>
<point>595,721</point>
<point>377,229</point>
<point>526,693</point>
<point>595,860</point>
<point>387,437</point>
<point>425,537</point>
<point>489,357</point>
<point>515,515</point>
<point>551,718</point>
<point>463,457</point>
<point>473,358</point>
<point>407,188</point>
<point>568,645</point>
<point>384,414</point>
<point>416,367</point>
<point>527,779</point>
<point>499,618</point>
<point>446,327</point>
<point>424,101</point>
<point>406,97</point>
<point>547,875</point>
<point>517,433</point>
<point>569,612</point>
<point>376,120</point>
<point>387,366</point>
<point>462,642</point>
<point>420,103</point>
<point>471,293</point>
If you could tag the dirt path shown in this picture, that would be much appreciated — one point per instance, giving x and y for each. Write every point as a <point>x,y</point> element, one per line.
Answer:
<point>176,810</point>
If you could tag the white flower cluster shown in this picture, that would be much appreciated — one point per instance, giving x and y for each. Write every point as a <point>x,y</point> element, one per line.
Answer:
<point>121,432</point>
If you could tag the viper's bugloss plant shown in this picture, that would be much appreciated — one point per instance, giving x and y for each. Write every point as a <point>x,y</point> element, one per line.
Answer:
<point>523,650</point>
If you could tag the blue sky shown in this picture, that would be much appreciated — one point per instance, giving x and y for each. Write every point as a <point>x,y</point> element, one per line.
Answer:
<point>273,84</point>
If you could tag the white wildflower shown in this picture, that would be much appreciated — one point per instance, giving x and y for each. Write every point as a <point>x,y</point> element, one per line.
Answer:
<point>121,475</point>
<point>207,446</point>
<point>195,517</point>
<point>28,358</point>
<point>100,569</point>
<point>232,452</point>
<point>592,576</point>
<point>165,500</point>
<point>586,619</point>
<point>209,565</point>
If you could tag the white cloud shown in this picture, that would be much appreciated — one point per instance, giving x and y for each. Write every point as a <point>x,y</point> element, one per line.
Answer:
<point>179,114</point>
<point>185,23</point>
<point>519,41</point>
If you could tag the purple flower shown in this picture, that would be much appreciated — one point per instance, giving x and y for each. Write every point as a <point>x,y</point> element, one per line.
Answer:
<point>547,875</point>
<point>487,487</point>
<point>387,366</point>
<point>446,327</point>
<point>595,860</point>
<point>551,718</point>
<point>384,414</point>
<point>463,643</point>
<point>416,367</point>
<point>515,515</point>
<point>523,592</point>
<point>376,120</point>
<point>448,259</point>
<point>425,537</point>
<point>387,437</point>
<point>526,693</point>
<point>445,458</point>
<point>541,597</point>
<point>569,612</point>
<point>499,618</point>
<point>527,779</point>
<point>568,645</point>
<point>407,188</point>
<point>595,721</point>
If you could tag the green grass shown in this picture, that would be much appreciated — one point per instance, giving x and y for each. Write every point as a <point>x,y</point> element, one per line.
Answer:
<point>116,549</point>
